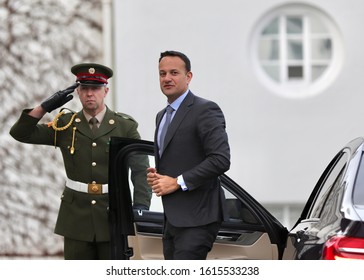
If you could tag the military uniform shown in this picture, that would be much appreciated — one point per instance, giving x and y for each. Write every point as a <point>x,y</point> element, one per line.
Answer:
<point>84,202</point>
<point>86,160</point>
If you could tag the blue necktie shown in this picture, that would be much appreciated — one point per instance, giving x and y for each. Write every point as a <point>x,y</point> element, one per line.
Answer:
<point>169,111</point>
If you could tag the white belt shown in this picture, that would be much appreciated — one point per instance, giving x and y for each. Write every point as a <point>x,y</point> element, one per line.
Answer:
<point>87,188</point>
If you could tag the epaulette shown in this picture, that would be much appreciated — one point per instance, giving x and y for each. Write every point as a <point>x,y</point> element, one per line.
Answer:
<point>70,111</point>
<point>125,116</point>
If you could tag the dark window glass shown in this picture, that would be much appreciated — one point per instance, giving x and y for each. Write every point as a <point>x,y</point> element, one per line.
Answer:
<point>295,72</point>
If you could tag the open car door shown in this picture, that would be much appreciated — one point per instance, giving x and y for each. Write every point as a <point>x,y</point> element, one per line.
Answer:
<point>250,232</point>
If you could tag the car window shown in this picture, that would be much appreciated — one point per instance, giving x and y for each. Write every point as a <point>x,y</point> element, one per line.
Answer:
<point>237,212</point>
<point>358,197</point>
<point>332,180</point>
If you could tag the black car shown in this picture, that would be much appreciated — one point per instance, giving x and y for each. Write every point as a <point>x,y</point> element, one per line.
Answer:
<point>330,227</point>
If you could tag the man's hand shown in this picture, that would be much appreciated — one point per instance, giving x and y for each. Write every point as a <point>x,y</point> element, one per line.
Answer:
<point>58,99</point>
<point>151,176</point>
<point>161,184</point>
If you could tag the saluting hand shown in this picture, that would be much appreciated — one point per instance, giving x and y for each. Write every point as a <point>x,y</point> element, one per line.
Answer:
<point>59,98</point>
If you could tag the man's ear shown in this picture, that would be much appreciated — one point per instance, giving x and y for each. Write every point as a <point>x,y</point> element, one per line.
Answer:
<point>189,76</point>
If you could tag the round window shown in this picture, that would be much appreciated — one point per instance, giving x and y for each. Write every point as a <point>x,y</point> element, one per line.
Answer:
<point>296,50</point>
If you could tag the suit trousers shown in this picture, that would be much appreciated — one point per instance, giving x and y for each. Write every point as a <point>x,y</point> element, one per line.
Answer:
<point>189,243</point>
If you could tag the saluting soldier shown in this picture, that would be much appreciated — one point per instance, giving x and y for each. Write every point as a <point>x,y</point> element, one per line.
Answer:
<point>83,140</point>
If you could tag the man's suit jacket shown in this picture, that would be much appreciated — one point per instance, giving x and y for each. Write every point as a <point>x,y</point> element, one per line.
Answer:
<point>196,146</point>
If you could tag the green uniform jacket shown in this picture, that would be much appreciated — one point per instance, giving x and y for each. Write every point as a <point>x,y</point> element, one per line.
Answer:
<point>82,216</point>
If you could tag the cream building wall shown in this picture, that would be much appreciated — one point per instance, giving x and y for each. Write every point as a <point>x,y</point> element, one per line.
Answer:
<point>279,145</point>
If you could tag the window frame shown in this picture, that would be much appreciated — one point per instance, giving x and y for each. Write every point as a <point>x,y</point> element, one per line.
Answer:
<point>307,86</point>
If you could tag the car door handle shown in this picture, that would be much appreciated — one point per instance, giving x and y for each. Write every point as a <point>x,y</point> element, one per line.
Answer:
<point>225,238</point>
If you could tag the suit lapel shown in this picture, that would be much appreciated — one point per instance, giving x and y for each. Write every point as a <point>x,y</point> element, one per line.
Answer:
<point>181,113</point>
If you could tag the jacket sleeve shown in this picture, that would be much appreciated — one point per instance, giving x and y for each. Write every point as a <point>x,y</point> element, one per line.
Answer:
<point>214,139</point>
<point>27,130</point>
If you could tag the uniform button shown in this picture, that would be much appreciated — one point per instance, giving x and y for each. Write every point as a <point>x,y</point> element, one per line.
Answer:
<point>94,144</point>
<point>93,201</point>
<point>94,164</point>
<point>93,182</point>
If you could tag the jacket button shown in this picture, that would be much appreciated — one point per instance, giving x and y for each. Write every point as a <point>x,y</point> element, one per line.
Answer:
<point>94,144</point>
<point>94,164</point>
<point>93,202</point>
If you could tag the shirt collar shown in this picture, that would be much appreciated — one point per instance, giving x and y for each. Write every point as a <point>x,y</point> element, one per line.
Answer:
<point>175,104</point>
<point>100,116</point>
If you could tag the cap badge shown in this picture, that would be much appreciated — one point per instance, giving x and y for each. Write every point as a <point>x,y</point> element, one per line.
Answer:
<point>91,70</point>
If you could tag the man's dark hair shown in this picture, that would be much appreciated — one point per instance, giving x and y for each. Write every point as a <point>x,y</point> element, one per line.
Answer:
<point>182,56</point>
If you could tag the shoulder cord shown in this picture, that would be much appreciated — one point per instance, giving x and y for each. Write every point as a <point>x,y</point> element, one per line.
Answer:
<point>55,121</point>
<point>54,126</point>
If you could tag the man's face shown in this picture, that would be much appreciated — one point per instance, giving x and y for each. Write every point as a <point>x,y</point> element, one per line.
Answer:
<point>92,98</point>
<point>173,77</point>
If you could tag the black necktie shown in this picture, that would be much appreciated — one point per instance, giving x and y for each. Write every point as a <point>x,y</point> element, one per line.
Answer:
<point>93,121</point>
<point>169,111</point>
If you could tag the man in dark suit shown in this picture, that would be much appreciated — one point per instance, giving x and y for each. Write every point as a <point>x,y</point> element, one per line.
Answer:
<point>189,160</point>
<point>83,214</point>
